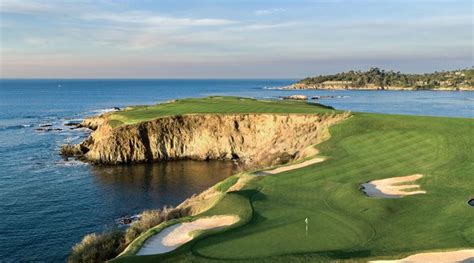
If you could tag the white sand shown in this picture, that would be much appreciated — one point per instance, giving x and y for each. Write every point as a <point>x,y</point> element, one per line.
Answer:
<point>176,235</point>
<point>466,255</point>
<point>291,167</point>
<point>395,187</point>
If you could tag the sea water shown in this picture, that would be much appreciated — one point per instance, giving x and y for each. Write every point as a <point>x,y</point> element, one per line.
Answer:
<point>48,204</point>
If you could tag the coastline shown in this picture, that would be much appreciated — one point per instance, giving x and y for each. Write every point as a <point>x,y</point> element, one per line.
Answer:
<point>300,86</point>
<point>206,201</point>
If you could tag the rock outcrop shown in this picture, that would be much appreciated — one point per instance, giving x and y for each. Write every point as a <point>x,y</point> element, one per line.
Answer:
<point>296,97</point>
<point>93,122</point>
<point>255,138</point>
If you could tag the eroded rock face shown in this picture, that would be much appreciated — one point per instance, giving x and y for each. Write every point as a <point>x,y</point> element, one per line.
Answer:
<point>262,138</point>
<point>93,122</point>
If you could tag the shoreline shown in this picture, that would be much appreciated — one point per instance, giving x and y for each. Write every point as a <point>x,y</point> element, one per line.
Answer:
<point>299,86</point>
<point>217,193</point>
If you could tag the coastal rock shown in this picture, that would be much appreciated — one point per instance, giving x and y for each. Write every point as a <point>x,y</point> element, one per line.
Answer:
<point>93,122</point>
<point>296,97</point>
<point>255,138</point>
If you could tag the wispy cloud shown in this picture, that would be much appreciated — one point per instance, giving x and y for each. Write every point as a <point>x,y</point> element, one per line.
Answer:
<point>149,19</point>
<point>410,23</point>
<point>259,26</point>
<point>24,6</point>
<point>269,11</point>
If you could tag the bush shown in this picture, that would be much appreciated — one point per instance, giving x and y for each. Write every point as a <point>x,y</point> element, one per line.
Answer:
<point>98,247</point>
<point>151,218</point>
<point>105,246</point>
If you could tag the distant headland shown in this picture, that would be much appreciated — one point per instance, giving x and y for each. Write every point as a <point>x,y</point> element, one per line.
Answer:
<point>377,79</point>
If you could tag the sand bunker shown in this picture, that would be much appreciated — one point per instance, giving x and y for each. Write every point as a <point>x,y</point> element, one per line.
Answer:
<point>395,187</point>
<point>176,235</point>
<point>466,255</point>
<point>291,167</point>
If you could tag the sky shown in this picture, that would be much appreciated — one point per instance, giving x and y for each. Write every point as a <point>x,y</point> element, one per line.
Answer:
<point>231,39</point>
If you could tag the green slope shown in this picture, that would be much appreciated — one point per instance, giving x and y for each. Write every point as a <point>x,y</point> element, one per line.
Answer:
<point>216,104</point>
<point>343,222</point>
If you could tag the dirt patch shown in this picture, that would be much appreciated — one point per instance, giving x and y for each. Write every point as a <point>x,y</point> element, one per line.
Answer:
<point>176,235</point>
<point>395,187</point>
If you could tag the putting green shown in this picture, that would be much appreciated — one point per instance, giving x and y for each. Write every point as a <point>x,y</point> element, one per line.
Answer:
<point>215,105</point>
<point>343,222</point>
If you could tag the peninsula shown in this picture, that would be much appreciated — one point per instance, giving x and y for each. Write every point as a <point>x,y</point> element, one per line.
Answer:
<point>377,79</point>
<point>326,185</point>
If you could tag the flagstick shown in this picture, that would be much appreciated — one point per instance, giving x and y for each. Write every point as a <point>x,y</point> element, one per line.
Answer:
<point>306,221</point>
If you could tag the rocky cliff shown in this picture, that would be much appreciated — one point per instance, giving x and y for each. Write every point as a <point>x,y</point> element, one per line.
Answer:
<point>255,138</point>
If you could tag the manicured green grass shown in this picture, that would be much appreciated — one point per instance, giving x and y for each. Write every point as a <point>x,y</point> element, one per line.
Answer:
<point>216,104</point>
<point>343,222</point>
<point>235,203</point>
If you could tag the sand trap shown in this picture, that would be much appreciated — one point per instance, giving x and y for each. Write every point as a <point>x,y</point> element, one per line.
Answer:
<point>176,235</point>
<point>291,167</point>
<point>393,187</point>
<point>466,255</point>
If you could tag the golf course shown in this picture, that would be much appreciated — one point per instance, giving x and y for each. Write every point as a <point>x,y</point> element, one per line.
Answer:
<point>317,210</point>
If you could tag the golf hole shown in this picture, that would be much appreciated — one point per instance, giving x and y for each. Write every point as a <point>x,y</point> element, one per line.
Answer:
<point>471,202</point>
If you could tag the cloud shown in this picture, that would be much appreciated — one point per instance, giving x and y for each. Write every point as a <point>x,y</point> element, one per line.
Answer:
<point>148,19</point>
<point>270,11</point>
<point>35,41</point>
<point>257,27</point>
<point>24,6</point>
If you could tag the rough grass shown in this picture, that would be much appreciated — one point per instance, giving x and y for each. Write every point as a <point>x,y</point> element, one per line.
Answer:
<point>101,247</point>
<point>226,184</point>
<point>212,105</point>
<point>343,222</point>
<point>151,218</point>
<point>232,204</point>
<point>97,247</point>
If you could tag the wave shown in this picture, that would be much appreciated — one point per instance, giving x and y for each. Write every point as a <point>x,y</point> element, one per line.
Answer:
<point>103,111</point>
<point>15,127</point>
<point>71,163</point>
<point>272,88</point>
<point>71,139</point>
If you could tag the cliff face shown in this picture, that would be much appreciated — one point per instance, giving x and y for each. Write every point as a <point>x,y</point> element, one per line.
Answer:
<point>255,138</point>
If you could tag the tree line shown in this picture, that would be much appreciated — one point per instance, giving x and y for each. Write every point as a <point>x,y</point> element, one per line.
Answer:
<point>381,78</point>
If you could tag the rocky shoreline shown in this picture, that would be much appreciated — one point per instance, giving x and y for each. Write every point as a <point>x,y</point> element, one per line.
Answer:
<point>250,138</point>
<point>302,86</point>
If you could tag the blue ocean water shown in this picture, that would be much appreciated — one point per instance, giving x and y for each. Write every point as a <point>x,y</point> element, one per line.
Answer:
<point>48,205</point>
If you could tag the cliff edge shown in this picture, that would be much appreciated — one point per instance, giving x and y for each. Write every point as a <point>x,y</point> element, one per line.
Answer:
<point>265,139</point>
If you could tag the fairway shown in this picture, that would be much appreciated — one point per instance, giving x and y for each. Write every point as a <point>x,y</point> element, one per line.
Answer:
<point>215,104</point>
<point>344,223</point>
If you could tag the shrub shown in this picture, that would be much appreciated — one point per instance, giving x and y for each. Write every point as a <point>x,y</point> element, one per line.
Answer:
<point>98,247</point>
<point>101,247</point>
<point>151,218</point>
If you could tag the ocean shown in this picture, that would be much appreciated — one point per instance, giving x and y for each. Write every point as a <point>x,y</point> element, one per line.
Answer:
<point>48,204</point>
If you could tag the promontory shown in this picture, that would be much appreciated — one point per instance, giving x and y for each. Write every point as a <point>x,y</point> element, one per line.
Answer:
<point>377,79</point>
<point>322,185</point>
